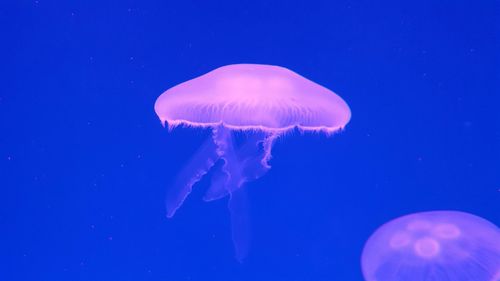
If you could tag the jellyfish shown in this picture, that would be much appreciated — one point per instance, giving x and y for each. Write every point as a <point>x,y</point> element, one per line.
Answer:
<point>433,246</point>
<point>262,102</point>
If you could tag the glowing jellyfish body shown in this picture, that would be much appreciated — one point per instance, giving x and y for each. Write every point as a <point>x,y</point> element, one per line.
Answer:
<point>262,101</point>
<point>433,246</point>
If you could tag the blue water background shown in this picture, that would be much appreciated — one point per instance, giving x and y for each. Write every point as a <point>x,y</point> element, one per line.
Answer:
<point>85,163</point>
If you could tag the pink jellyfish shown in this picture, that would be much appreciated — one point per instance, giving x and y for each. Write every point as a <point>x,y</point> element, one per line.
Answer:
<point>434,246</point>
<point>261,101</point>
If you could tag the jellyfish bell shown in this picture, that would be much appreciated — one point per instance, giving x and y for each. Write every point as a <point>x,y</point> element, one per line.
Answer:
<point>437,245</point>
<point>253,97</point>
<point>263,102</point>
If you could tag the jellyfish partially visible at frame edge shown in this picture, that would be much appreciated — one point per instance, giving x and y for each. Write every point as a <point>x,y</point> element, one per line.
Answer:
<point>261,101</point>
<point>433,246</point>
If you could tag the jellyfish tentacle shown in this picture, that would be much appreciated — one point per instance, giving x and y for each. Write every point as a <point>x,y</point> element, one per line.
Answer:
<point>204,159</point>
<point>253,156</point>
<point>246,163</point>
<point>223,179</point>
<point>228,180</point>
<point>240,223</point>
<point>218,188</point>
<point>241,164</point>
<point>267,145</point>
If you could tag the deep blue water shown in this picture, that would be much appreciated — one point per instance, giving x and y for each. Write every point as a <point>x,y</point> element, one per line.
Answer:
<point>85,163</point>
